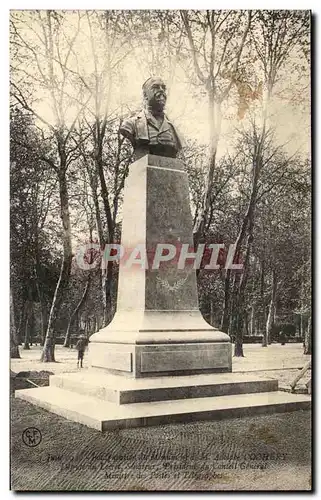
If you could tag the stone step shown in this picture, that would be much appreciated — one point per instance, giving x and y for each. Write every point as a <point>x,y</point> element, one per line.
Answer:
<point>124,390</point>
<point>103,415</point>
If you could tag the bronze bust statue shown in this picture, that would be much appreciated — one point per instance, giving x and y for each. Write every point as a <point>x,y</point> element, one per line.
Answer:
<point>150,131</point>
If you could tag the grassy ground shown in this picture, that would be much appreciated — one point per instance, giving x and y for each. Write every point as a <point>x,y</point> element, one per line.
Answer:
<point>269,452</point>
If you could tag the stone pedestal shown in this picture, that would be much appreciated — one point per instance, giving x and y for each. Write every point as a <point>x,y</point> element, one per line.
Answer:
<point>158,336</point>
<point>158,329</point>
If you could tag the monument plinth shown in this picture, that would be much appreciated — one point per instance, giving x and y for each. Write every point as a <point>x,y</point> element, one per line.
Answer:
<point>158,328</point>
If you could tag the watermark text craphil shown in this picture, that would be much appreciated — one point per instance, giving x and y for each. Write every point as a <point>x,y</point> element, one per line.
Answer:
<point>211,257</point>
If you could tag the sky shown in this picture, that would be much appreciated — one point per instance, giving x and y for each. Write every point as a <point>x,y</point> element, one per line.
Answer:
<point>186,106</point>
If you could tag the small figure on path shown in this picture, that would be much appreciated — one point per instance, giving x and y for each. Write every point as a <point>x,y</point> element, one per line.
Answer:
<point>81,346</point>
<point>282,337</point>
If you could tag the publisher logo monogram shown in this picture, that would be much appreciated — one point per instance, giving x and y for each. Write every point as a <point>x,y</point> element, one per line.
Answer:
<point>31,437</point>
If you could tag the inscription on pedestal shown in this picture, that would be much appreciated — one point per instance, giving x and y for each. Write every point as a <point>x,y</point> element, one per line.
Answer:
<point>185,360</point>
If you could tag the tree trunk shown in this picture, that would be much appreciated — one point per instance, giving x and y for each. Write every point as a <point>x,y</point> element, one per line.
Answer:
<point>32,325</point>
<point>22,320</point>
<point>270,319</point>
<point>247,227</point>
<point>14,342</point>
<point>43,309</point>
<point>225,315</point>
<point>231,315</point>
<point>238,325</point>
<point>302,327</point>
<point>240,303</point>
<point>212,313</point>
<point>246,324</point>
<point>48,353</point>
<point>104,195</point>
<point>238,348</point>
<point>108,293</point>
<point>26,339</point>
<point>273,323</point>
<point>27,325</point>
<point>262,300</point>
<point>106,274</point>
<point>215,121</point>
<point>235,322</point>
<point>252,321</point>
<point>49,345</point>
<point>76,310</point>
<point>308,338</point>
<point>44,323</point>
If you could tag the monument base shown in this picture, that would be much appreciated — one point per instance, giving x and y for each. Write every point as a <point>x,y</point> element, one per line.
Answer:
<point>159,343</point>
<point>105,402</point>
<point>150,360</point>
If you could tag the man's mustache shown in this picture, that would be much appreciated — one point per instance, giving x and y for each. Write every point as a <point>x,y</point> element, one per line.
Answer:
<point>160,94</point>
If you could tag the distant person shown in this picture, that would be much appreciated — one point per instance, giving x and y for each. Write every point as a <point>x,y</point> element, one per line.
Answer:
<point>282,337</point>
<point>81,346</point>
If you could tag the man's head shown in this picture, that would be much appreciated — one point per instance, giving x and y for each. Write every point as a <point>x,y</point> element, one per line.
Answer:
<point>154,91</point>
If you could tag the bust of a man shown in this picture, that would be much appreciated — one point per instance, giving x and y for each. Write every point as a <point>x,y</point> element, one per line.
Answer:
<point>150,131</point>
